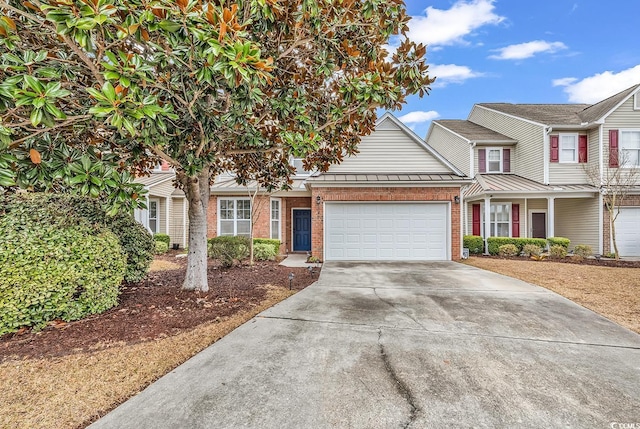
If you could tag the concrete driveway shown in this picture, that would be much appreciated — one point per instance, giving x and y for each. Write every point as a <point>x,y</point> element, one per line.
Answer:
<point>398,345</point>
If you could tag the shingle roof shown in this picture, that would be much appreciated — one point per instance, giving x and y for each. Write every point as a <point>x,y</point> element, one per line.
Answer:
<point>547,114</point>
<point>472,131</point>
<point>510,183</point>
<point>155,178</point>
<point>598,110</point>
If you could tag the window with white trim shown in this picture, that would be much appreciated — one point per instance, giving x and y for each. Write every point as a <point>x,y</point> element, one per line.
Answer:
<point>494,160</point>
<point>630,148</point>
<point>298,165</point>
<point>500,220</point>
<point>568,148</point>
<point>154,216</point>
<point>636,101</point>
<point>275,219</point>
<point>234,216</point>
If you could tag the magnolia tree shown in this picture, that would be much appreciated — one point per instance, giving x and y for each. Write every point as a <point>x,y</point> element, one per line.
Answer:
<point>234,86</point>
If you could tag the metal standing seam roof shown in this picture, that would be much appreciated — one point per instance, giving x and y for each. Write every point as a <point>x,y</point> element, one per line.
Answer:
<point>230,185</point>
<point>510,183</point>
<point>387,177</point>
<point>155,178</point>
<point>473,132</point>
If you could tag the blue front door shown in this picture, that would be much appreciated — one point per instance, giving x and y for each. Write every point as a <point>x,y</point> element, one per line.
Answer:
<point>301,230</point>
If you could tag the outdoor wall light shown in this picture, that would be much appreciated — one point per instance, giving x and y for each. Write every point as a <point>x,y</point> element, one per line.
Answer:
<point>318,199</point>
<point>456,199</point>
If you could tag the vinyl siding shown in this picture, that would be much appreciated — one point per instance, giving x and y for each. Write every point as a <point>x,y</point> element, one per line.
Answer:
<point>593,137</point>
<point>475,158</point>
<point>164,189</point>
<point>390,151</point>
<point>570,173</point>
<point>454,148</point>
<point>178,222</point>
<point>625,117</point>
<point>577,220</point>
<point>527,157</point>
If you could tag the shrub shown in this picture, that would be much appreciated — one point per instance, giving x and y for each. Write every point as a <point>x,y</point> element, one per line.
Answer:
<point>263,252</point>
<point>508,250</point>
<point>270,241</point>
<point>557,251</point>
<point>474,243</point>
<point>161,247</point>
<point>228,249</point>
<point>53,265</point>
<point>162,237</point>
<point>559,241</point>
<point>583,250</point>
<point>531,250</point>
<point>137,244</point>
<point>494,243</point>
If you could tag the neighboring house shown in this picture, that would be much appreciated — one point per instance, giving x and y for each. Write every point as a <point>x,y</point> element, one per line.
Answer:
<point>529,164</point>
<point>166,211</point>
<point>398,199</point>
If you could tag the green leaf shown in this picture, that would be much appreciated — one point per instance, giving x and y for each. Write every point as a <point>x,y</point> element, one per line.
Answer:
<point>36,117</point>
<point>33,83</point>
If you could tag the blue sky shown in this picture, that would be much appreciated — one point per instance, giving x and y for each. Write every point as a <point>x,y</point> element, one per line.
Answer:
<point>542,51</point>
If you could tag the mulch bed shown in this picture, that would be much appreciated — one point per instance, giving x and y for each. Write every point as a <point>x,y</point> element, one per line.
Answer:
<point>603,262</point>
<point>157,307</point>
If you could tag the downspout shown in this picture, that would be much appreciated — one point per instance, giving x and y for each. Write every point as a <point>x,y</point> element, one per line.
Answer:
<point>545,138</point>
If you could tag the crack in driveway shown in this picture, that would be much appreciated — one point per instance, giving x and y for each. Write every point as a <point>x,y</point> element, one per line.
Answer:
<point>392,305</point>
<point>401,386</point>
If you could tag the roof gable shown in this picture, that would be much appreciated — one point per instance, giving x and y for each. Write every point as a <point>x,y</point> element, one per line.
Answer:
<point>394,148</point>
<point>473,132</point>
<point>602,109</point>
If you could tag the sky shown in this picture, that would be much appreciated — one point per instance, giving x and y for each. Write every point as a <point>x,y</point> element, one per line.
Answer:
<point>521,51</point>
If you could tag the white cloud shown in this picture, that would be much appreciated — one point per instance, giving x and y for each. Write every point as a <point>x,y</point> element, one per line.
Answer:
<point>599,86</point>
<point>450,26</point>
<point>451,73</point>
<point>419,116</point>
<point>528,50</point>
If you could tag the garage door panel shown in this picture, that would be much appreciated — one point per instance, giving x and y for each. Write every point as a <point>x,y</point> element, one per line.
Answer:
<point>628,231</point>
<point>387,231</point>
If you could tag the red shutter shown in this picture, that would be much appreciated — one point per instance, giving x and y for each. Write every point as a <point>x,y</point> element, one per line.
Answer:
<point>506,160</point>
<point>476,219</point>
<point>515,220</point>
<point>482,160</point>
<point>613,148</point>
<point>582,149</point>
<point>555,148</point>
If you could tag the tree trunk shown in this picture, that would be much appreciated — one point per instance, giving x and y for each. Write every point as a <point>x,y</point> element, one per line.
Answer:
<point>197,191</point>
<point>612,228</point>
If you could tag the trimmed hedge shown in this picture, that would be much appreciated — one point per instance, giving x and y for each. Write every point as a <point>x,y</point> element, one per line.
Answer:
<point>161,247</point>
<point>54,265</point>
<point>474,243</point>
<point>508,250</point>
<point>263,252</point>
<point>162,237</point>
<point>557,251</point>
<point>559,241</point>
<point>494,243</point>
<point>228,249</point>
<point>583,250</point>
<point>270,241</point>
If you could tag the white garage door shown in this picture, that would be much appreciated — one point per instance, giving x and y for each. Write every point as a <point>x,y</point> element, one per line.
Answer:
<point>628,231</point>
<point>386,232</point>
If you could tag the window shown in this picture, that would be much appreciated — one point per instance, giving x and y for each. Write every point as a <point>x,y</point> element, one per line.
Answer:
<point>234,216</point>
<point>298,165</point>
<point>636,101</point>
<point>568,148</point>
<point>500,215</point>
<point>494,161</point>
<point>275,219</point>
<point>630,146</point>
<point>154,220</point>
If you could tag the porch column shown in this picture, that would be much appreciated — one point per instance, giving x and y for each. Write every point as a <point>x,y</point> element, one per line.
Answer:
<point>487,223</point>
<point>551,221</point>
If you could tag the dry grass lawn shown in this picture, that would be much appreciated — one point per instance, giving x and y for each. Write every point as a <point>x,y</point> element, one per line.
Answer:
<point>71,391</point>
<point>611,292</point>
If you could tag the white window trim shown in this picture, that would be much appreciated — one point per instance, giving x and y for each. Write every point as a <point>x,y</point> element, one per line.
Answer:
<point>621,149</point>
<point>486,160</point>
<point>235,213</point>
<point>271,219</point>
<point>157,218</point>
<point>636,101</point>
<point>482,218</point>
<point>299,173</point>
<point>576,148</point>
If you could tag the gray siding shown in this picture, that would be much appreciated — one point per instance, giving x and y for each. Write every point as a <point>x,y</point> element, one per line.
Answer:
<point>577,220</point>
<point>454,148</point>
<point>390,151</point>
<point>528,154</point>
<point>625,117</point>
<point>570,173</point>
<point>178,223</point>
<point>164,189</point>
<point>513,168</point>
